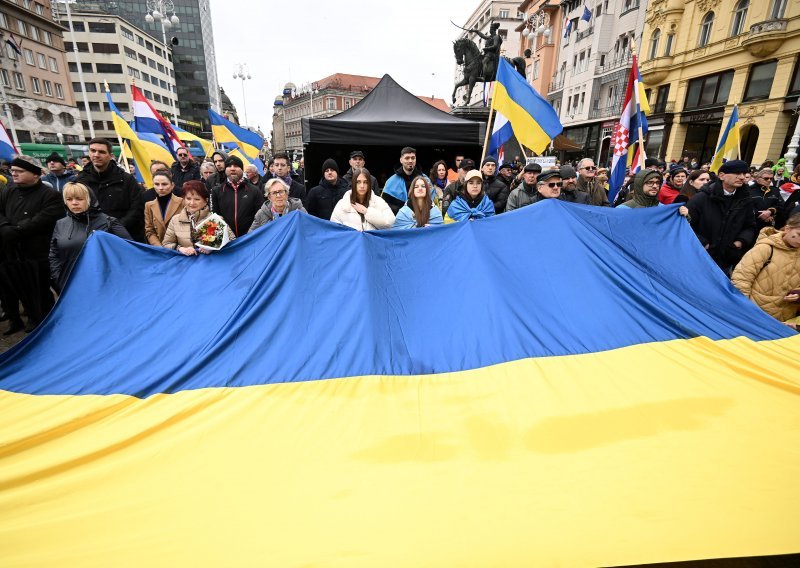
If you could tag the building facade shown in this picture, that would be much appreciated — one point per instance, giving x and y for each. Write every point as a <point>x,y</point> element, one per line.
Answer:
<point>700,57</point>
<point>192,46</point>
<point>508,16</point>
<point>113,50</point>
<point>540,31</point>
<point>592,69</point>
<point>35,81</point>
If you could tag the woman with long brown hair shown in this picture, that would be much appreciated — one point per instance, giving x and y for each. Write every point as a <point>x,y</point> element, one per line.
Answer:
<point>419,211</point>
<point>360,208</point>
<point>439,179</point>
<point>696,180</point>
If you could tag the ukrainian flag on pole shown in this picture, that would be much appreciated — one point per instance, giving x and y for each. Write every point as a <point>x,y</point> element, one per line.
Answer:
<point>226,131</point>
<point>729,142</point>
<point>533,119</point>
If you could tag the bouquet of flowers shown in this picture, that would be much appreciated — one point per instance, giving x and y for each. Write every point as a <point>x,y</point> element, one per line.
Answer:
<point>211,233</point>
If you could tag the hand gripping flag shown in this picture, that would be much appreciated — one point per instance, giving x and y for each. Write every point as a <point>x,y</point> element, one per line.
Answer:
<point>147,119</point>
<point>534,121</point>
<point>728,146</point>
<point>626,134</point>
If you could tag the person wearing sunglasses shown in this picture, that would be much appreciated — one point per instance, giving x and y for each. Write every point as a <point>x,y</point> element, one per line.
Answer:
<point>277,205</point>
<point>569,189</point>
<point>183,170</point>
<point>588,182</point>
<point>548,185</point>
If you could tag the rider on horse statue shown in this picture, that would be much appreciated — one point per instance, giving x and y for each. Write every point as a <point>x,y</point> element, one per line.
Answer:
<point>491,50</point>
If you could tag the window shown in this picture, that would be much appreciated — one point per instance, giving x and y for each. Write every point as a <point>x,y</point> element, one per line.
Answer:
<point>668,45</point>
<point>161,68</point>
<point>148,46</point>
<point>83,47</point>
<point>142,58</point>
<point>28,56</point>
<point>78,26</point>
<point>739,16</point>
<point>85,67</point>
<point>42,60</point>
<point>129,53</point>
<point>3,20</point>
<point>59,91</point>
<point>12,55</point>
<point>598,11</point>
<point>109,68</point>
<point>759,83</point>
<point>134,73</point>
<point>90,87</point>
<point>102,28</point>
<point>154,80</point>
<point>126,33</point>
<point>19,81</point>
<point>53,64</point>
<point>26,4</point>
<point>151,63</point>
<point>145,77</point>
<point>654,43</point>
<point>705,29</point>
<point>503,14</point>
<point>48,88</point>
<point>5,78</point>
<point>148,94</point>
<point>66,118</point>
<point>39,9</point>
<point>661,98</point>
<point>35,33</point>
<point>22,27</point>
<point>157,98</point>
<point>709,90</point>
<point>163,84</point>
<point>117,88</point>
<point>778,9</point>
<point>105,48</point>
<point>159,52</point>
<point>536,69</point>
<point>330,103</point>
<point>139,40</point>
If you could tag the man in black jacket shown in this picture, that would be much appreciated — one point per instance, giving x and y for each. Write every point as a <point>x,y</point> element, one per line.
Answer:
<point>323,198</point>
<point>494,188</point>
<point>357,162</point>
<point>721,215</point>
<point>282,168</point>
<point>506,174</point>
<point>569,188</point>
<point>218,177</point>
<point>237,200</point>
<point>117,192</point>
<point>184,170</point>
<point>28,212</point>
<point>766,198</point>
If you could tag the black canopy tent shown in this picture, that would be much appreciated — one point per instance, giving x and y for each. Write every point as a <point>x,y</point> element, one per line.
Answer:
<point>380,125</point>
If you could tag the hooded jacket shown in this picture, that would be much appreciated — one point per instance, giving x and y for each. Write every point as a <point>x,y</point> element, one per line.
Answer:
<point>69,236</point>
<point>640,199</point>
<point>718,221</point>
<point>218,177</point>
<point>378,216</point>
<point>768,272</point>
<point>118,195</point>
<point>322,198</point>
<point>265,214</point>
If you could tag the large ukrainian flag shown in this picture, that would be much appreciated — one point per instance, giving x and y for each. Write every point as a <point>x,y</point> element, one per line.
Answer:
<point>225,130</point>
<point>301,399</point>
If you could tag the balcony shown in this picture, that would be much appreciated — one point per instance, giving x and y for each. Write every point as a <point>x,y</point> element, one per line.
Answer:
<point>557,83</point>
<point>655,70</point>
<point>663,107</point>
<point>606,111</point>
<point>585,33</point>
<point>765,37</point>
<point>611,63</point>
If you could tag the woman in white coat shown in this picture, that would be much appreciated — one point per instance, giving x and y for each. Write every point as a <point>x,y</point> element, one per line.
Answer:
<point>360,208</point>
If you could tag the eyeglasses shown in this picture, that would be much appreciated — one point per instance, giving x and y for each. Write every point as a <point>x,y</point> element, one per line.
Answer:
<point>182,155</point>
<point>553,184</point>
<point>277,192</point>
<point>653,182</point>
<point>590,168</point>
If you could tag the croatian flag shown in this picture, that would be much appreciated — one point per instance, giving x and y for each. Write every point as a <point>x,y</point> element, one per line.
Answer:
<point>7,149</point>
<point>501,133</point>
<point>567,26</point>
<point>148,119</point>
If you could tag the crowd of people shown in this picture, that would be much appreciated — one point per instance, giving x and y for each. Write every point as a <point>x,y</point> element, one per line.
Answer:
<point>747,219</point>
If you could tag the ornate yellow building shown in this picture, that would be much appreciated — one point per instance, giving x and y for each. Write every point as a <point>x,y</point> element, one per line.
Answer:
<point>700,57</point>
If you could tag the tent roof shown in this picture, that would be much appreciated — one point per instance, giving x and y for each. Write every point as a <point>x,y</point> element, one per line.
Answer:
<point>391,115</point>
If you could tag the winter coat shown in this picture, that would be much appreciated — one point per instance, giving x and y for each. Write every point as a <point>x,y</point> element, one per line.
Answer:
<point>265,214</point>
<point>789,208</point>
<point>118,195</point>
<point>595,189</point>
<point>378,216</point>
<point>450,193</point>
<point>497,191</point>
<point>405,218</point>
<point>768,272</point>
<point>296,189</point>
<point>640,199</point>
<point>764,199</point>
<point>69,236</point>
<point>28,215</point>
<point>718,221</point>
<point>523,195</point>
<point>155,223</point>
<point>180,231</point>
<point>58,182</point>
<point>575,196</point>
<point>322,198</point>
<point>348,177</point>
<point>395,192</point>
<point>237,204</point>
<point>181,176</point>
<point>667,194</point>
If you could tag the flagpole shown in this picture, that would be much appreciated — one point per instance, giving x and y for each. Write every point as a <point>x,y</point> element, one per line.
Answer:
<point>638,106</point>
<point>119,138</point>
<point>488,125</point>
<point>738,133</point>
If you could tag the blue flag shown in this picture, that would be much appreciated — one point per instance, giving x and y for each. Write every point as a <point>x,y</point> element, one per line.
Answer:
<point>587,13</point>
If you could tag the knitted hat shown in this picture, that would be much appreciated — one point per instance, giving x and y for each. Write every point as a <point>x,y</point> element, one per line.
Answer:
<point>28,163</point>
<point>330,164</point>
<point>55,157</point>
<point>234,161</point>
<point>568,171</point>
<point>734,167</point>
<point>489,160</point>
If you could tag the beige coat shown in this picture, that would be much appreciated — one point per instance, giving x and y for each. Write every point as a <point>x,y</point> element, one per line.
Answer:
<point>179,231</point>
<point>767,285</point>
<point>154,225</point>
<point>378,216</point>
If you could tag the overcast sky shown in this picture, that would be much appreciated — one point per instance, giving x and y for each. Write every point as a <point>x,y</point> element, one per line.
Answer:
<point>307,40</point>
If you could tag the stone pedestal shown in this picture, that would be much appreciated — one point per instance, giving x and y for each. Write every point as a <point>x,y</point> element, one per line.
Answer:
<point>476,114</point>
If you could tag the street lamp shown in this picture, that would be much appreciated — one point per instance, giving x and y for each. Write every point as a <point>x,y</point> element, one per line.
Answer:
<point>537,24</point>
<point>794,143</point>
<point>157,12</point>
<point>240,71</point>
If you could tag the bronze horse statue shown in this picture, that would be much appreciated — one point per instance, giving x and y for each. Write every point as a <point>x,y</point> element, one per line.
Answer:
<point>469,55</point>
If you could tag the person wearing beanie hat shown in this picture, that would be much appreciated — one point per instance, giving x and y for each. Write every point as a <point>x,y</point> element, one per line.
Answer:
<point>494,188</point>
<point>673,182</point>
<point>322,198</point>
<point>237,200</point>
<point>59,175</point>
<point>722,217</point>
<point>28,212</point>
<point>569,187</point>
<point>395,192</point>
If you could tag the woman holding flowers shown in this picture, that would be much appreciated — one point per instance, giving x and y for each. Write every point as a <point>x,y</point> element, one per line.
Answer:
<point>182,232</point>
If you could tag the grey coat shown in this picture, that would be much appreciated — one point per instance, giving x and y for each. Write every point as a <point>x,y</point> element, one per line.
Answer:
<point>265,215</point>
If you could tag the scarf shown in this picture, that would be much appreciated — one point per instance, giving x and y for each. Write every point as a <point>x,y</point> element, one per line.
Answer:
<point>287,180</point>
<point>442,183</point>
<point>460,210</point>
